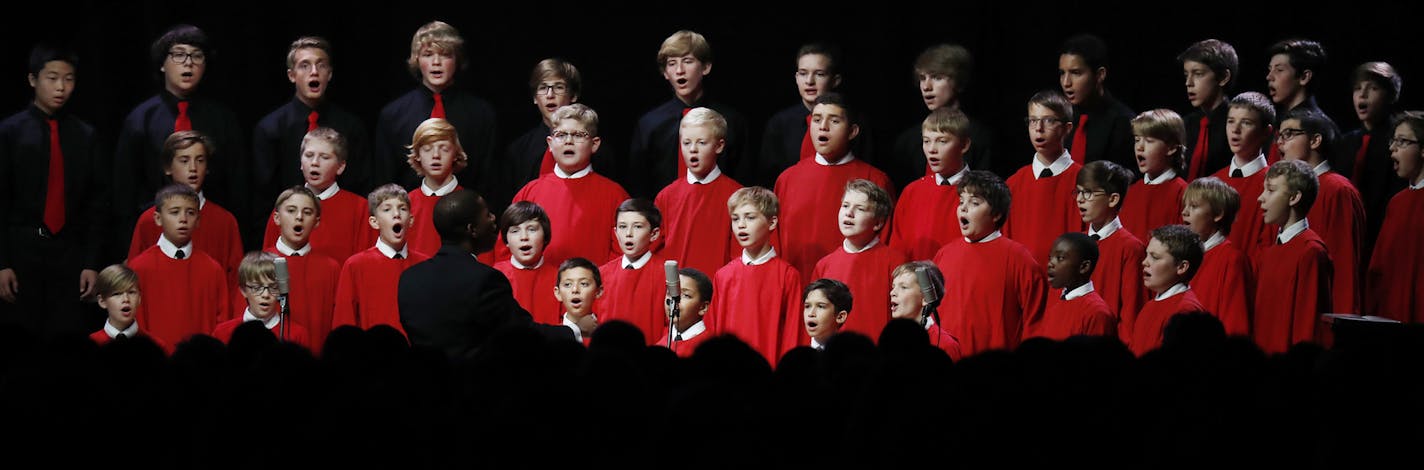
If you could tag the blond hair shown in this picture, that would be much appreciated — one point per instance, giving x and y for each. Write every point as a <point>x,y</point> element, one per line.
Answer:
<point>761,198</point>
<point>330,136</point>
<point>307,42</point>
<point>713,120</point>
<point>683,43</point>
<point>388,191</point>
<point>115,279</point>
<point>298,190</point>
<point>256,266</point>
<point>1167,126</point>
<point>1221,198</point>
<point>581,114</point>
<point>440,36</point>
<point>431,131</point>
<point>948,121</point>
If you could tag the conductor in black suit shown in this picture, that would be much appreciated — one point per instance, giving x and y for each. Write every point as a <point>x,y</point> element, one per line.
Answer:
<point>452,301</point>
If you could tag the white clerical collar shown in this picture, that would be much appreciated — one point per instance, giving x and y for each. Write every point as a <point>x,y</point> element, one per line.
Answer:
<point>991,237</point>
<point>1417,184</point>
<point>447,188</point>
<point>559,172</point>
<point>747,258</point>
<point>202,200</point>
<point>845,245</point>
<point>1085,289</point>
<point>270,322</point>
<point>817,345</point>
<point>638,263</point>
<point>1057,167</point>
<point>517,265</point>
<point>954,179</point>
<point>1213,242</point>
<point>328,193</point>
<point>1292,230</point>
<point>112,331</point>
<point>172,250</point>
<point>390,252</point>
<point>578,334</point>
<point>692,331</point>
<point>1176,289</point>
<point>821,159</point>
<point>1320,169</point>
<point>1162,178</point>
<point>288,251</point>
<point>711,176</point>
<point>1255,165</point>
<point>1107,230</point>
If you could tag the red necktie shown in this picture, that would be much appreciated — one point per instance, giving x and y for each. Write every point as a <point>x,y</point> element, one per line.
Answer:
<point>547,165</point>
<point>1080,140</point>
<point>681,165</point>
<point>182,123</point>
<point>1359,172</point>
<point>1199,152</point>
<point>808,150</point>
<point>54,189</point>
<point>311,120</point>
<point>439,110</point>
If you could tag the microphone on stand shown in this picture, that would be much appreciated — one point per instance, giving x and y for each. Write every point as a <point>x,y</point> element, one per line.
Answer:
<point>931,295</point>
<point>674,292</point>
<point>283,288</point>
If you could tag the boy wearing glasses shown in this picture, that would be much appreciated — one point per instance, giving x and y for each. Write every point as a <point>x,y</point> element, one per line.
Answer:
<point>554,83</point>
<point>1044,188</point>
<point>1338,215</point>
<point>257,278</point>
<point>181,58</point>
<point>1394,279</point>
<point>579,201</point>
<point>1248,130</point>
<point>1102,189</point>
<point>1102,128</point>
<point>194,288</point>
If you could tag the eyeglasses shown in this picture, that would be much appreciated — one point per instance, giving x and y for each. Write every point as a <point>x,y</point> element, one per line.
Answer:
<point>1288,134</point>
<point>260,290</point>
<point>1400,142</point>
<point>577,136</point>
<point>557,89</point>
<point>1087,194</point>
<point>179,57</point>
<point>1048,122</point>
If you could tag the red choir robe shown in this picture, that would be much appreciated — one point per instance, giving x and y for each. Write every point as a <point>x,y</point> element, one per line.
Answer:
<point>686,346</point>
<point>1042,209</point>
<point>1395,278</point>
<point>216,235</point>
<point>312,300</point>
<point>635,295</point>
<point>1004,297</point>
<point>582,212</point>
<point>1338,216</point>
<point>1249,231</point>
<point>697,225</point>
<point>867,274</point>
<point>760,304</point>
<point>534,290</point>
<point>1224,284</point>
<point>922,218</point>
<point>1117,277</point>
<point>1083,315</point>
<point>810,196</point>
<point>101,338</point>
<point>944,341</point>
<point>296,333</point>
<point>422,236</point>
<point>366,290</point>
<point>1150,206</point>
<point>1292,290</point>
<point>344,230</point>
<point>1147,333</point>
<point>185,297</point>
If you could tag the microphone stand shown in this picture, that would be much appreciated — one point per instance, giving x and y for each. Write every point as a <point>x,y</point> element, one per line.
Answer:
<point>282,328</point>
<point>672,319</point>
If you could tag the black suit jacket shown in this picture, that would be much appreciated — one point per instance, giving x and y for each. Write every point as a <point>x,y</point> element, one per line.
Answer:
<point>454,303</point>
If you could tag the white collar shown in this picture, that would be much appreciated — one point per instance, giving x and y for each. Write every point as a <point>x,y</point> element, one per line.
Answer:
<point>638,263</point>
<point>172,250</point>
<point>113,332</point>
<point>1323,167</point>
<point>1255,165</point>
<point>929,321</point>
<point>711,176</point>
<point>390,252</point>
<point>1292,230</point>
<point>747,258</point>
<point>692,331</point>
<point>1213,242</point>
<point>991,237</point>
<point>1085,289</point>
<point>559,172</point>
<point>849,157</point>
<point>578,334</point>
<point>202,200</point>
<point>328,193</point>
<point>288,251</point>
<point>1162,178</point>
<point>1107,230</point>
<point>817,345</point>
<point>270,322</point>
<point>1174,290</point>
<point>447,188</point>
<point>1417,184</point>
<point>1062,163</point>
<point>954,180</point>
<point>518,265</point>
<point>845,245</point>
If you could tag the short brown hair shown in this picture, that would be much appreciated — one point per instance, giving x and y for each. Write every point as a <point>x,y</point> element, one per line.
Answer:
<point>951,60</point>
<point>555,68</point>
<point>1111,177</point>
<point>115,279</point>
<point>183,139</point>
<point>175,190</point>
<point>682,43</point>
<point>880,202</point>
<point>387,191</point>
<point>948,121</point>
<point>1382,74</point>
<point>1183,244</point>
<point>577,262</point>
<point>1216,55</point>
<point>1257,103</point>
<point>307,42</point>
<point>298,190</point>
<point>1300,179</point>
<point>255,266</point>
<point>991,188</point>
<point>1054,101</point>
<point>524,211</point>
<point>1219,196</point>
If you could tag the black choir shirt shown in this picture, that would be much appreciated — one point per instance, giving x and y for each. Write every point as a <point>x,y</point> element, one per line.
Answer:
<point>652,160</point>
<point>474,121</point>
<point>1218,150</point>
<point>906,162</point>
<point>520,165</point>
<point>277,149</point>
<point>780,147</point>
<point>1377,181</point>
<point>1109,132</point>
<point>24,166</point>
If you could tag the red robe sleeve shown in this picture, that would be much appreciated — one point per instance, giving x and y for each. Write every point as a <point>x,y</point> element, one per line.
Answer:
<point>867,274</point>
<point>916,234</point>
<point>1084,315</point>
<point>422,236</point>
<point>1394,280</point>
<point>945,342</point>
<point>313,296</point>
<point>635,296</point>
<point>1118,277</point>
<point>1042,210</point>
<point>1338,216</point>
<point>1224,286</point>
<point>1150,206</point>
<point>696,227</point>
<point>185,297</point>
<point>1147,333</point>
<point>1293,290</point>
<point>1002,300</point>
<point>761,305</point>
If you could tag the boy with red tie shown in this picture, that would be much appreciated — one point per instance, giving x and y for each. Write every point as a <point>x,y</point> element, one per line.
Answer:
<point>992,308</point>
<point>554,83</point>
<point>863,262</point>
<point>1172,259</point>
<point>257,278</point>
<point>636,283</point>
<point>810,190</point>
<point>343,230</point>
<point>188,289</point>
<point>690,330</point>
<point>943,72</point>
<point>1291,79</point>
<point>525,229</point>
<point>436,57</point>
<point>313,274</point>
<point>186,157</point>
<point>758,296</point>
<point>1156,199</point>
<point>118,294</point>
<point>787,138</point>
<point>436,155</point>
<point>1101,124</point>
<point>825,304</point>
<point>945,139</point>
<point>51,206</point>
<point>1338,214</point>
<point>1225,281</point>
<point>1370,166</point>
<point>907,300</point>
<point>695,202</point>
<point>1293,287</point>
<point>1116,273</point>
<point>367,287</point>
<point>1210,68</point>
<point>1248,127</point>
<point>1074,307</point>
<point>1044,187</point>
<point>1393,282</point>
